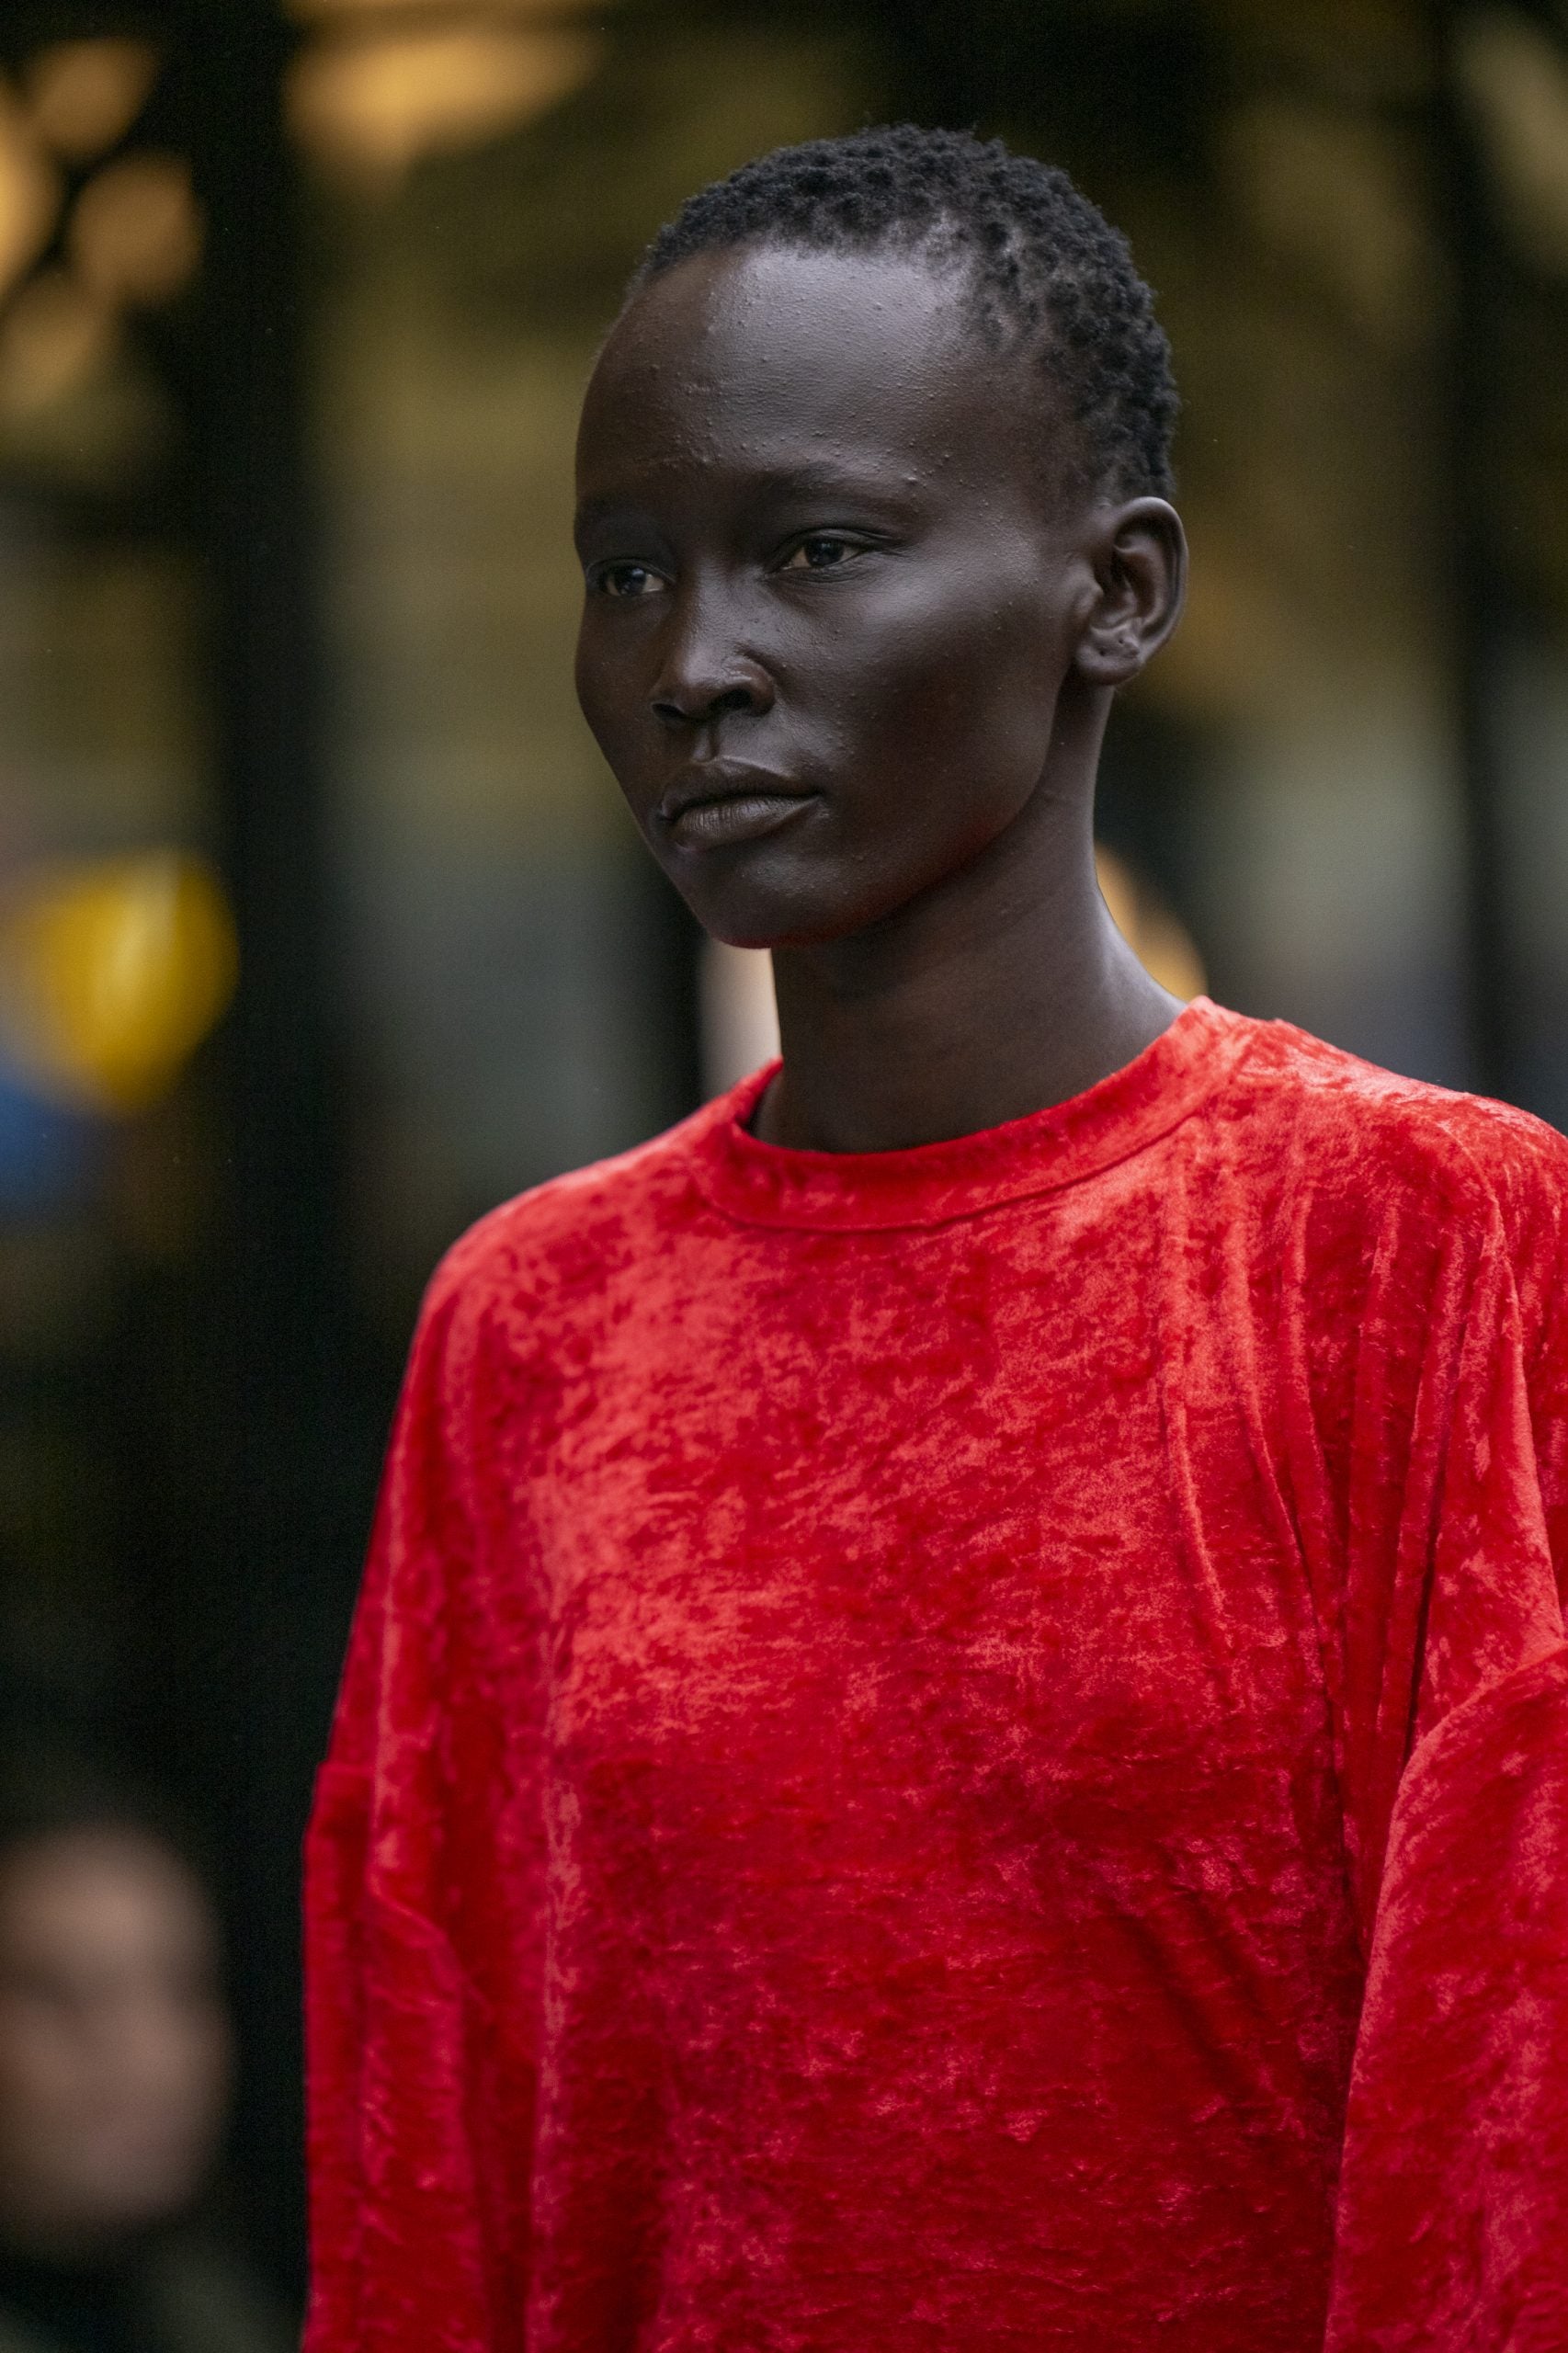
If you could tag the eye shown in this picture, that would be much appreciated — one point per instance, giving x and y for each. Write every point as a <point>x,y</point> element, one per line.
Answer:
<point>626,579</point>
<point>823,552</point>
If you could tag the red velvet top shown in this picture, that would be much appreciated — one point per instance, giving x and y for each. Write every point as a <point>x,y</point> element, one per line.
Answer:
<point>966,1750</point>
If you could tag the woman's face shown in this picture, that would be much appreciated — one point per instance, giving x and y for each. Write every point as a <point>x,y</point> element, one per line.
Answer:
<point>114,2040</point>
<point>833,598</point>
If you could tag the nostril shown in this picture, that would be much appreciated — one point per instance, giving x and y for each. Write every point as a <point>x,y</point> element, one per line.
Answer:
<point>692,712</point>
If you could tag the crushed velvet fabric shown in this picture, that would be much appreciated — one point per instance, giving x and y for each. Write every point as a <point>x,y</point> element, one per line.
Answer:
<point>968,1748</point>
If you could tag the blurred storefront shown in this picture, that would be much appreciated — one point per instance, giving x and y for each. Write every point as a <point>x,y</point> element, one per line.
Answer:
<point>320,929</point>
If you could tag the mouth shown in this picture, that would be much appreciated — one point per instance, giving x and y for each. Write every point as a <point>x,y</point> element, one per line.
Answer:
<point>725,802</point>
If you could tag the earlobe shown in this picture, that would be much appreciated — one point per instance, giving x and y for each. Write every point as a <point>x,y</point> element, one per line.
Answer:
<point>1142,577</point>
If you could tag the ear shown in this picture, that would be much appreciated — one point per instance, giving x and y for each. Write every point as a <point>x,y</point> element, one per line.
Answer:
<point>1140,563</point>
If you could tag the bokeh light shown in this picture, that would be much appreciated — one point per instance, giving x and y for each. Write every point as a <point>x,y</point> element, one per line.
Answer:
<point>54,336</point>
<point>1517,80</point>
<point>1160,944</point>
<point>367,109</point>
<point>135,229</point>
<point>111,973</point>
<point>387,12</point>
<point>83,96</point>
<point>30,193</point>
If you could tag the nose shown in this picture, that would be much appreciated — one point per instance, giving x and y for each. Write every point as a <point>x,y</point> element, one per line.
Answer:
<point>705,674</point>
<point>693,706</point>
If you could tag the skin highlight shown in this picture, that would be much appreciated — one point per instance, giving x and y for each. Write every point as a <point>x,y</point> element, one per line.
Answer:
<point>852,630</point>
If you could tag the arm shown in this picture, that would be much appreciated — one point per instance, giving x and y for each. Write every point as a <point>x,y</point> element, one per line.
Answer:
<point>422,1859</point>
<point>1453,2212</point>
<point>1453,2217</point>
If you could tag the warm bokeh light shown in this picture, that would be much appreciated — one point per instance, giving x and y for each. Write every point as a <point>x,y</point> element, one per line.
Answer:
<point>739,1015</point>
<point>29,192</point>
<point>1518,78</point>
<point>368,109</point>
<point>83,96</point>
<point>52,338</point>
<point>364,12</point>
<point>1159,943</point>
<point>135,229</point>
<point>112,973</point>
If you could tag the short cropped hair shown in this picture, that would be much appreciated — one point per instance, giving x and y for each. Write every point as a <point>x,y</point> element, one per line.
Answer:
<point>1050,275</point>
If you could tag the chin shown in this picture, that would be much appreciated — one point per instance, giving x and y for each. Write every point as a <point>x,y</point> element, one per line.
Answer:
<point>780,930</point>
<point>782,916</point>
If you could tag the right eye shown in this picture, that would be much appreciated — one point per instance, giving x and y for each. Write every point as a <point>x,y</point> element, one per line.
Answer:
<point>629,580</point>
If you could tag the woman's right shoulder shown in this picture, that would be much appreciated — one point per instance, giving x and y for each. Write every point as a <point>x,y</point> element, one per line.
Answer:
<point>577,1233</point>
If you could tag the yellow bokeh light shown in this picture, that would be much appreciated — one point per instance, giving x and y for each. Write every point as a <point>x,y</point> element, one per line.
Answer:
<point>336,12</point>
<point>29,192</point>
<point>1160,944</point>
<point>52,338</point>
<point>369,109</point>
<point>135,229</point>
<point>112,972</point>
<point>85,94</point>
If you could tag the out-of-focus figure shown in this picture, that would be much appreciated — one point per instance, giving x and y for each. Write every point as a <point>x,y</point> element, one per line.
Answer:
<point>115,2055</point>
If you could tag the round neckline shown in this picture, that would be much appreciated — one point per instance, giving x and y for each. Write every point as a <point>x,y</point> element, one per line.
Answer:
<point>931,1184</point>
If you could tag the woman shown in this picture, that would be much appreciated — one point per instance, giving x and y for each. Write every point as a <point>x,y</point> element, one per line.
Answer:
<point>956,1734</point>
<point>115,2066</point>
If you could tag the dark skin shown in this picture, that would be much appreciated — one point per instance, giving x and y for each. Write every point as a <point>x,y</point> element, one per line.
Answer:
<point>852,630</point>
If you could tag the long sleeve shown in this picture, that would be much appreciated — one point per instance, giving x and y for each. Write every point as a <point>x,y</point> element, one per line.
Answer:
<point>1453,2212</point>
<point>421,1857</point>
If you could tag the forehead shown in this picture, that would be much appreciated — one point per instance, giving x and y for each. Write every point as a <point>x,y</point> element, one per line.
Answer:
<point>764,357</point>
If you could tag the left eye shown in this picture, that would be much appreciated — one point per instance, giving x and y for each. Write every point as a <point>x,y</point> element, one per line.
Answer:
<point>820,553</point>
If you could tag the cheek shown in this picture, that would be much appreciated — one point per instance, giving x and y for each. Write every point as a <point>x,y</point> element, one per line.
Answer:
<point>938,683</point>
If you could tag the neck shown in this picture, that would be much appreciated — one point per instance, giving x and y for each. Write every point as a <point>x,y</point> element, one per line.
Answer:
<point>1005,989</point>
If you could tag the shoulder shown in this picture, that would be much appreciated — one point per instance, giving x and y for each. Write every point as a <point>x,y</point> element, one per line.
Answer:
<point>572,1237</point>
<point>1345,1116</point>
<point>1338,1121</point>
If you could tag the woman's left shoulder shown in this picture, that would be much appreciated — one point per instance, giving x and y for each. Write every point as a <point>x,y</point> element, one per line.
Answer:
<point>1345,1116</point>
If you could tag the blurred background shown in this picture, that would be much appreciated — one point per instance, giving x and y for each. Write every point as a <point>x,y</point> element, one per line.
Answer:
<point>321,927</point>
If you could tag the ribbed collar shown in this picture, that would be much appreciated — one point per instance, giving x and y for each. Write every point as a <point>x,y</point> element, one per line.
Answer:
<point>767,1184</point>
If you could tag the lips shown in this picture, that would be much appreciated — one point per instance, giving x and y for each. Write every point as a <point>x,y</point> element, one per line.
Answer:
<point>724,801</point>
